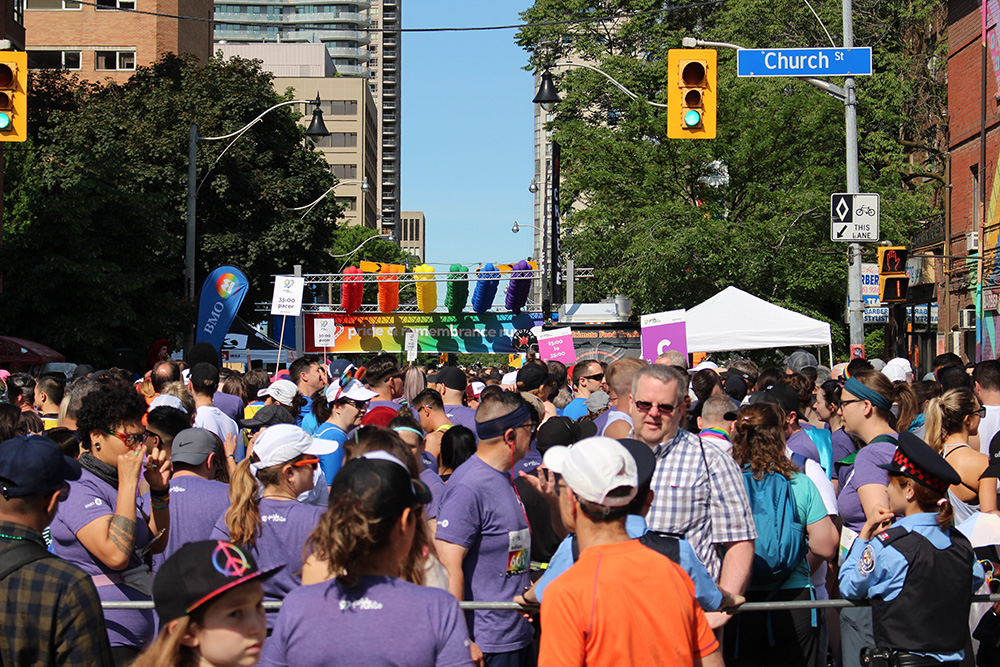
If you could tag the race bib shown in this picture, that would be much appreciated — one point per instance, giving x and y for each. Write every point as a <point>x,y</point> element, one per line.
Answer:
<point>518,551</point>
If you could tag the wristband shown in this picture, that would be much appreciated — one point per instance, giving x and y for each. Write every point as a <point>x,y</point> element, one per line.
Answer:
<point>160,504</point>
<point>231,456</point>
<point>159,494</point>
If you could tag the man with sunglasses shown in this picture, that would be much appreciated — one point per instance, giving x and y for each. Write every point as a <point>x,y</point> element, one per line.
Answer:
<point>698,488</point>
<point>382,375</point>
<point>55,615</point>
<point>588,377</point>
<point>483,539</point>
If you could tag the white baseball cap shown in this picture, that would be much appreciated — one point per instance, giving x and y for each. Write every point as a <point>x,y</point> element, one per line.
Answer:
<point>352,389</point>
<point>167,401</point>
<point>283,442</point>
<point>594,467</point>
<point>897,369</point>
<point>283,391</point>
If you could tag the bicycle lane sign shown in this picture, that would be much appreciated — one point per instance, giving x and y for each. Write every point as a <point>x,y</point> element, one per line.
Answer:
<point>854,217</point>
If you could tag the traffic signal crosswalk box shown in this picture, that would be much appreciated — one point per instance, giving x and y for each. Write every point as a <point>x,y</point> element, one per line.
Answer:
<point>13,96</point>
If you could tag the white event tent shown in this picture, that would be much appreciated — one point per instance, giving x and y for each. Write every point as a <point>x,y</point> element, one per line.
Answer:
<point>736,320</point>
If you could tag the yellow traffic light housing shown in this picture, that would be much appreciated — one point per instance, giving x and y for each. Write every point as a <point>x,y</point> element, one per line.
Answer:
<point>692,93</point>
<point>13,96</point>
<point>893,283</point>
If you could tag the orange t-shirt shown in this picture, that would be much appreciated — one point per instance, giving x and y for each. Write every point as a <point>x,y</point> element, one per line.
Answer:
<point>623,604</point>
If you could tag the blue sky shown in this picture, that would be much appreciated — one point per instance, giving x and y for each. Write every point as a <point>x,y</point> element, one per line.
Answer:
<point>467,162</point>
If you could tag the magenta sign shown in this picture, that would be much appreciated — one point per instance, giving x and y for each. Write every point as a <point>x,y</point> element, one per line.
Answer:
<point>662,332</point>
<point>557,345</point>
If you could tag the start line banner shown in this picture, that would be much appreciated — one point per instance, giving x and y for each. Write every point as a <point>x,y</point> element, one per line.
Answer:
<point>489,333</point>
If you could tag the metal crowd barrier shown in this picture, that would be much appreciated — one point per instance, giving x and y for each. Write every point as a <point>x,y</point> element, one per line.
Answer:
<point>513,606</point>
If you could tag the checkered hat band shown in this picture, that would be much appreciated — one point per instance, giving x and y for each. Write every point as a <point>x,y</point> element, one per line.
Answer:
<point>906,467</point>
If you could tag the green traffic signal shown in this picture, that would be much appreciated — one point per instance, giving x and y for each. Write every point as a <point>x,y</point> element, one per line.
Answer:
<point>4,121</point>
<point>692,118</point>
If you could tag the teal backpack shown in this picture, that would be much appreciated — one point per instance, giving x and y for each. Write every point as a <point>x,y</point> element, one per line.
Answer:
<point>781,537</point>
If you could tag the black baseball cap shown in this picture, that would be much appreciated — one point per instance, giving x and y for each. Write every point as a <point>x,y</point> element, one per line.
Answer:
<point>199,572</point>
<point>532,376</point>
<point>563,431</point>
<point>205,375</point>
<point>645,461</point>
<point>34,465</point>
<point>382,483</point>
<point>269,415</point>
<point>783,396</point>
<point>451,377</point>
<point>192,446</point>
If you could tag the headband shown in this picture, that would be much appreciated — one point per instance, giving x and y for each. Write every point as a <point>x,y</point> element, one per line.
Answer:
<point>495,428</point>
<point>855,386</point>
<point>397,429</point>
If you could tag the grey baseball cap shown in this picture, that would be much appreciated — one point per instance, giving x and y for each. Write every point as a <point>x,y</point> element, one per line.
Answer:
<point>192,446</point>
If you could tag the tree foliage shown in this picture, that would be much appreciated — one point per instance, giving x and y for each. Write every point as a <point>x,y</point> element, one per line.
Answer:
<point>672,222</point>
<point>95,201</point>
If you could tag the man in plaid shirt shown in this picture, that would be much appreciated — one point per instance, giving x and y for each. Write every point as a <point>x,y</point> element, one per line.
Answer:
<point>51,614</point>
<point>698,488</point>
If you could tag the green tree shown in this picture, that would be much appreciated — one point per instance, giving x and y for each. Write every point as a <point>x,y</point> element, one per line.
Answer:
<point>672,222</point>
<point>95,201</point>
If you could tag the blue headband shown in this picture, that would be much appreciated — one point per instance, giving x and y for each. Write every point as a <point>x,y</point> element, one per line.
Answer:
<point>855,386</point>
<point>495,428</point>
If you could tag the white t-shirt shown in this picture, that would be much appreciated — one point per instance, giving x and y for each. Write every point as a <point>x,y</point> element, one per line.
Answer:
<point>215,420</point>
<point>988,427</point>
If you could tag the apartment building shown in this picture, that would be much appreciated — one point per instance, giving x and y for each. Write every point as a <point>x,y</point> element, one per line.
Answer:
<point>99,42</point>
<point>411,234</point>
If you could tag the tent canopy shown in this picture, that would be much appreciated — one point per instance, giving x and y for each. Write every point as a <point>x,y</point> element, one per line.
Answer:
<point>735,320</point>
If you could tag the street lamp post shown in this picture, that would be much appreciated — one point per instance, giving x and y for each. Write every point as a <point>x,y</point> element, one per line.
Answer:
<point>316,129</point>
<point>365,188</point>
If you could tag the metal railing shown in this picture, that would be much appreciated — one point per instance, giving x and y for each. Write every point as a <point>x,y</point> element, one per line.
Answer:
<point>513,606</point>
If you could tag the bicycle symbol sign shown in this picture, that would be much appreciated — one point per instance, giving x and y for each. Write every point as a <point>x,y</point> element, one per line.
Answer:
<point>854,217</point>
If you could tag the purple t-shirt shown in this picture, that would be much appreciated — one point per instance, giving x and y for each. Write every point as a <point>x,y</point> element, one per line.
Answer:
<point>866,471</point>
<point>843,447</point>
<point>434,483</point>
<point>229,404</point>
<point>529,464</point>
<point>462,415</point>
<point>426,626</point>
<point>285,526</point>
<point>195,504</point>
<point>92,498</point>
<point>481,512</point>
<point>800,443</point>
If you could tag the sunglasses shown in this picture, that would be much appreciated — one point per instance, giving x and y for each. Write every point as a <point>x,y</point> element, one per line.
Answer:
<point>312,462</point>
<point>130,439</point>
<point>662,408</point>
<point>981,412</point>
<point>595,378</point>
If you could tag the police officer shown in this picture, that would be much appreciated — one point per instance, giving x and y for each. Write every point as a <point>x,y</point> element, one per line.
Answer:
<point>921,572</point>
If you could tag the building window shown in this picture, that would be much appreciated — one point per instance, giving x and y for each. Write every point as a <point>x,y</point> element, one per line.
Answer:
<point>339,140</point>
<point>115,4</point>
<point>114,60</point>
<point>343,171</point>
<point>347,203</point>
<point>52,4</point>
<point>19,12</point>
<point>53,59</point>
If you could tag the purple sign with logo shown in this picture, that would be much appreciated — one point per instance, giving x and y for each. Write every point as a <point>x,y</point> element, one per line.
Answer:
<point>557,345</point>
<point>662,332</point>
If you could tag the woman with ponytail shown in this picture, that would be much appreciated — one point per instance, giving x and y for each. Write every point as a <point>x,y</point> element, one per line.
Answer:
<point>919,573</point>
<point>951,421</point>
<point>265,517</point>
<point>866,403</point>
<point>366,534</point>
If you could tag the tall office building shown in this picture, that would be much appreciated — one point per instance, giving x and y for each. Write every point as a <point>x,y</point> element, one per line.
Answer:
<point>412,238</point>
<point>363,41</point>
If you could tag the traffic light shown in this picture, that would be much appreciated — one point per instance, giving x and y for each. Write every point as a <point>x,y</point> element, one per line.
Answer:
<point>13,96</point>
<point>691,93</point>
<point>893,283</point>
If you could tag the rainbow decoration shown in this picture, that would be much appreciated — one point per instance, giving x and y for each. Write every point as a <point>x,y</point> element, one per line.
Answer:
<point>458,289</point>
<point>350,292</point>
<point>486,289</point>
<point>519,286</point>
<point>423,275</point>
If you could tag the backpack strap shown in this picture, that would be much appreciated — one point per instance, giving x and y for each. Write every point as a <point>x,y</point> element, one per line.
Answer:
<point>887,537</point>
<point>799,461</point>
<point>575,547</point>
<point>23,553</point>
<point>663,543</point>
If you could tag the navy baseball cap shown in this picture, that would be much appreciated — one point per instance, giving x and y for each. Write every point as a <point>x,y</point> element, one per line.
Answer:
<point>34,465</point>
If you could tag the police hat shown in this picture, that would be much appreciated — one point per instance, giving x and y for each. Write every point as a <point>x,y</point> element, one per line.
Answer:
<point>915,459</point>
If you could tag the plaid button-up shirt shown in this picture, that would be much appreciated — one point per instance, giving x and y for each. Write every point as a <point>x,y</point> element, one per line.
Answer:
<point>49,611</point>
<point>699,494</point>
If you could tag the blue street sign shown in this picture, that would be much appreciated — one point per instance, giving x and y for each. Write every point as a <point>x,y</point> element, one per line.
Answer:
<point>804,62</point>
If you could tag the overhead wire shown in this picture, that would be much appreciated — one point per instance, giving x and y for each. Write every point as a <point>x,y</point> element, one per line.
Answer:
<point>513,26</point>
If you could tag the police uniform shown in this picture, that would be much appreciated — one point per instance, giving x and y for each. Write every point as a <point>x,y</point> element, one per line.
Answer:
<point>919,577</point>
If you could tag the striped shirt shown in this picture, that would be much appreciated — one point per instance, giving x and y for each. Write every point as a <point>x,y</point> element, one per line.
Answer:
<point>699,495</point>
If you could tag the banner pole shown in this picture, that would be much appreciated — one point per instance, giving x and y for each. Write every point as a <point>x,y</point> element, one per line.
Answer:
<point>281,339</point>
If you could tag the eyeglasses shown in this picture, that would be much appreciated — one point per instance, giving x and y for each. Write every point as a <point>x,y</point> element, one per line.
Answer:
<point>531,426</point>
<point>851,400</point>
<point>981,412</point>
<point>662,408</point>
<point>150,434</point>
<point>130,439</point>
<point>595,378</point>
<point>312,462</point>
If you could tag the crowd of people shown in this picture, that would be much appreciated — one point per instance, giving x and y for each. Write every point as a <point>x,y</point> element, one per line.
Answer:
<point>630,509</point>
